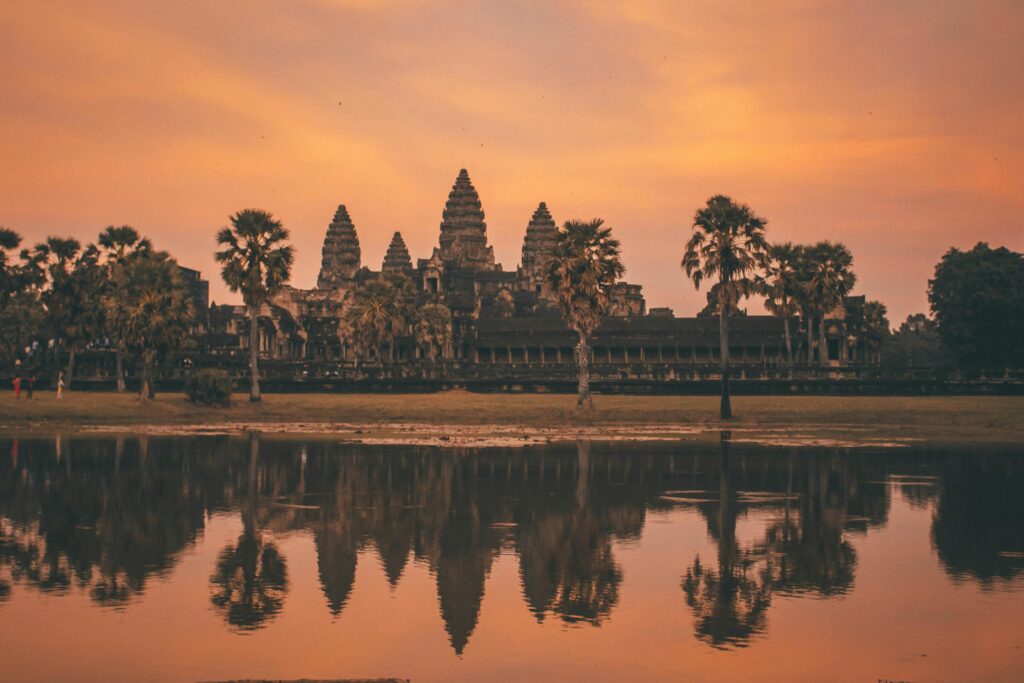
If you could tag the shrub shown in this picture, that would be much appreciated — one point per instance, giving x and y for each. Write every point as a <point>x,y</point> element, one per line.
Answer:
<point>209,388</point>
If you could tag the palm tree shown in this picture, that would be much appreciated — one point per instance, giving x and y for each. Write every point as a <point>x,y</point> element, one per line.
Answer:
<point>118,244</point>
<point>782,287</point>
<point>581,269</point>
<point>434,328</point>
<point>805,261</point>
<point>21,279</point>
<point>153,312</point>
<point>831,280</point>
<point>378,315</point>
<point>256,262</point>
<point>72,279</point>
<point>727,244</point>
<point>876,328</point>
<point>9,272</point>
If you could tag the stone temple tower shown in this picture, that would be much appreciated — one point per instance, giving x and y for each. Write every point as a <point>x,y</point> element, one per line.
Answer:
<point>539,240</point>
<point>463,231</point>
<point>341,258</point>
<point>397,258</point>
<point>537,245</point>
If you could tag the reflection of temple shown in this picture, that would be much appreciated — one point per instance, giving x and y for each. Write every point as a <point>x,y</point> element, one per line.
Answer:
<point>110,516</point>
<point>499,317</point>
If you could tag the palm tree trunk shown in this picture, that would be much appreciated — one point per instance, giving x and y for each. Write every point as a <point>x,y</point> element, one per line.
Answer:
<point>144,388</point>
<point>583,360</point>
<point>723,341</point>
<point>254,337</point>
<point>789,344</point>
<point>71,366</point>
<point>582,472</point>
<point>810,340</point>
<point>822,343</point>
<point>119,358</point>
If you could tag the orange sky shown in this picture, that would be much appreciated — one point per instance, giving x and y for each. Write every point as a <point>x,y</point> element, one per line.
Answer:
<point>894,127</point>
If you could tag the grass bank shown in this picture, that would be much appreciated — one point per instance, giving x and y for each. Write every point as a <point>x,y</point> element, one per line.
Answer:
<point>940,418</point>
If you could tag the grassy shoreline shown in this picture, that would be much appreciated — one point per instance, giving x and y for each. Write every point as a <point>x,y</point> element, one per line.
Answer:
<point>942,418</point>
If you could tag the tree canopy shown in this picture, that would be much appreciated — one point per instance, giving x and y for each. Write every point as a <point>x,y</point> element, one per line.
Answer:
<point>977,298</point>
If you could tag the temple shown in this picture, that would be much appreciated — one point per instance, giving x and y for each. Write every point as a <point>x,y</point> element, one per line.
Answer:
<point>502,317</point>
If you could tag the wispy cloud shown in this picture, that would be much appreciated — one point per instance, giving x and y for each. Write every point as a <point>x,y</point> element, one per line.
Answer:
<point>894,127</point>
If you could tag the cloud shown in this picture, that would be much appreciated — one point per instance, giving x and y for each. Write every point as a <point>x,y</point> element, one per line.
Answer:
<point>893,127</point>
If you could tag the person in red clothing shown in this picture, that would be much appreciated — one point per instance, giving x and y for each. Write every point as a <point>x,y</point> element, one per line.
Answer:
<point>17,386</point>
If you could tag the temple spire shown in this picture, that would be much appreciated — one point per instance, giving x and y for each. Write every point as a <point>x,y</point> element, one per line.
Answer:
<point>463,237</point>
<point>341,256</point>
<point>540,237</point>
<point>397,258</point>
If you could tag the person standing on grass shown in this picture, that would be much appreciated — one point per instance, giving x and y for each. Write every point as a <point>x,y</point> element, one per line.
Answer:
<point>31,385</point>
<point>60,385</point>
<point>17,386</point>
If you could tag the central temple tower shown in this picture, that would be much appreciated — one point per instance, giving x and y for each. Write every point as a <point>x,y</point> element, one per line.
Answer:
<point>463,231</point>
<point>340,259</point>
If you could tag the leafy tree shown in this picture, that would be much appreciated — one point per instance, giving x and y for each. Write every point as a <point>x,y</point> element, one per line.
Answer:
<point>977,298</point>
<point>256,262</point>
<point>783,287</point>
<point>434,328</point>
<point>868,322</point>
<point>727,245</point>
<point>916,344</point>
<point>117,245</point>
<point>20,314</point>
<point>831,279</point>
<point>153,312</point>
<point>21,320</point>
<point>582,267</point>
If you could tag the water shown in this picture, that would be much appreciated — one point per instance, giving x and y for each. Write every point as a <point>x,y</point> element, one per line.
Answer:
<point>189,559</point>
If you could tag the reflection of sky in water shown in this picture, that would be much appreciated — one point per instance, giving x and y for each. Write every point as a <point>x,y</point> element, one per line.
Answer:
<point>195,559</point>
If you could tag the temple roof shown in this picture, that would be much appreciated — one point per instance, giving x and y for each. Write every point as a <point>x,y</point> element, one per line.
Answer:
<point>463,238</point>
<point>341,255</point>
<point>397,258</point>
<point>750,330</point>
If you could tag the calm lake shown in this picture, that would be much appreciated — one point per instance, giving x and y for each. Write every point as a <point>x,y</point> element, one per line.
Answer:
<point>209,558</point>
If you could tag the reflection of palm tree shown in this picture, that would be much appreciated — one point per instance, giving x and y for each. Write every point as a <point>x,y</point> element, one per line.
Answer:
<point>250,581</point>
<point>566,561</point>
<point>729,603</point>
<point>251,578</point>
<point>814,555</point>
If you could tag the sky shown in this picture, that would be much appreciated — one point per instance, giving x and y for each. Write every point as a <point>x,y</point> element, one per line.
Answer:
<point>894,127</point>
